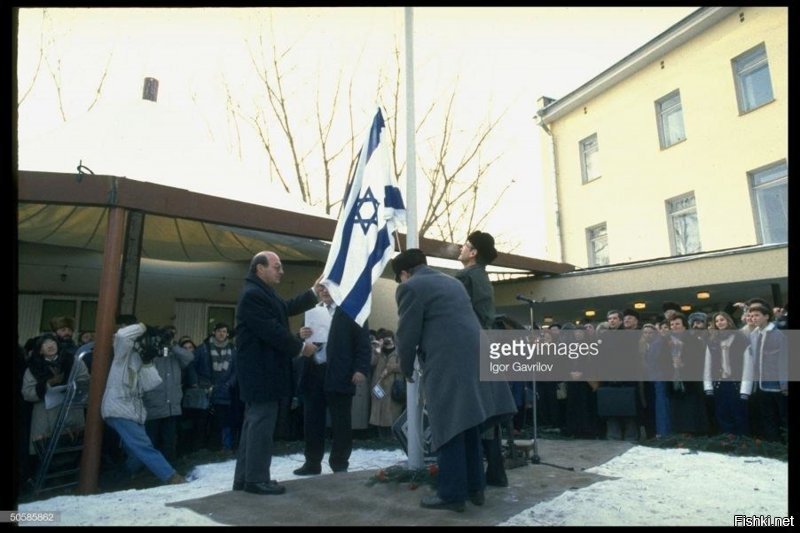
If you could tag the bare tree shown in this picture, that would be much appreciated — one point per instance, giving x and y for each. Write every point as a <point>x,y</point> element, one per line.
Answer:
<point>454,168</point>
<point>49,53</point>
<point>298,163</point>
<point>453,175</point>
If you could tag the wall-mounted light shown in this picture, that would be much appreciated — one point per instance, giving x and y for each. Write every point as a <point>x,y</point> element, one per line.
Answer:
<point>589,312</point>
<point>639,305</point>
<point>703,295</point>
<point>548,320</point>
<point>686,308</point>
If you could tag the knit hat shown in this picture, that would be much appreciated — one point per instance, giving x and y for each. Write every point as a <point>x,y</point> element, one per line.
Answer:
<point>59,322</point>
<point>484,244</point>
<point>407,260</point>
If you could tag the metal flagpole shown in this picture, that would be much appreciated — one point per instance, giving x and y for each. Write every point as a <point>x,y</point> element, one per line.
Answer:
<point>416,460</point>
<point>535,459</point>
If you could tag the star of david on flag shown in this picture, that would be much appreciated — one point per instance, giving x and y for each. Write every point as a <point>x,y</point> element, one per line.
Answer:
<point>363,244</point>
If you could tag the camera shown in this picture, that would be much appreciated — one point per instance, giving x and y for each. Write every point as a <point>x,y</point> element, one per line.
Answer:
<point>155,342</point>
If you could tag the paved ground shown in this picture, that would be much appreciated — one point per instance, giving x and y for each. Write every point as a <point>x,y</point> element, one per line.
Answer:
<point>347,499</point>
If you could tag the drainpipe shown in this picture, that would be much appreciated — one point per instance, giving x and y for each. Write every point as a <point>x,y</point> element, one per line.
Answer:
<point>543,102</point>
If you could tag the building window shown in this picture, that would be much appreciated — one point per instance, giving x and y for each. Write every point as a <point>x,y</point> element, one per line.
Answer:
<point>590,167</point>
<point>597,242</point>
<point>770,188</point>
<point>670,120</point>
<point>753,85</point>
<point>83,311</point>
<point>683,227</point>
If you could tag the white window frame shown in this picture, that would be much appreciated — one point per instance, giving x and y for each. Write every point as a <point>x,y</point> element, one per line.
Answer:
<point>773,176</point>
<point>678,208</point>
<point>746,70</point>
<point>669,114</point>
<point>593,235</point>
<point>589,149</point>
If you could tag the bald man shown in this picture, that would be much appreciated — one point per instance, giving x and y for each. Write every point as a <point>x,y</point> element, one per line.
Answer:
<point>265,349</point>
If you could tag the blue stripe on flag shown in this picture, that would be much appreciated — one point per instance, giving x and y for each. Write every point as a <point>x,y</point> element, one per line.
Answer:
<point>392,197</point>
<point>374,134</point>
<point>362,288</point>
<point>337,271</point>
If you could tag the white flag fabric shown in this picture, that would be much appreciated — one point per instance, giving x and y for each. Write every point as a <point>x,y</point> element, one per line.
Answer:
<point>363,242</point>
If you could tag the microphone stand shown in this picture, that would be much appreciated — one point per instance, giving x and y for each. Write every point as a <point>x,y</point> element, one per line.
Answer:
<point>535,459</point>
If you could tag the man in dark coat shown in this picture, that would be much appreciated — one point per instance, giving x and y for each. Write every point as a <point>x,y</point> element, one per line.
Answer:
<point>328,381</point>
<point>436,322</point>
<point>477,252</point>
<point>265,348</point>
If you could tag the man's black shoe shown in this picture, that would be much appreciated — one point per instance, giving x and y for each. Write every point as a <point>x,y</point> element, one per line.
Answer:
<point>435,502</point>
<point>306,470</point>
<point>264,488</point>
<point>339,470</point>
<point>477,498</point>
<point>239,485</point>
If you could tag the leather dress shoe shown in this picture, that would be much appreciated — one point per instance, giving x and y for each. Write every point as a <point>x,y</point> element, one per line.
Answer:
<point>477,498</point>
<point>306,470</point>
<point>265,487</point>
<point>239,485</point>
<point>435,502</point>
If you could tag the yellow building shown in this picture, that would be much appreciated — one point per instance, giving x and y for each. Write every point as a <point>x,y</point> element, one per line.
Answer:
<point>666,175</point>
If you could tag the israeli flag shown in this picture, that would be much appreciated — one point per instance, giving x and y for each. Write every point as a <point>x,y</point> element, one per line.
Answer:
<point>363,242</point>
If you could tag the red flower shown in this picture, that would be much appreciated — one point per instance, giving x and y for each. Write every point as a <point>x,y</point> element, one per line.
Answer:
<point>433,469</point>
<point>381,475</point>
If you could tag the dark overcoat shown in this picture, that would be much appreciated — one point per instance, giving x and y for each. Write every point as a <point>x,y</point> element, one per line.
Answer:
<point>480,291</point>
<point>347,351</point>
<point>436,320</point>
<point>265,345</point>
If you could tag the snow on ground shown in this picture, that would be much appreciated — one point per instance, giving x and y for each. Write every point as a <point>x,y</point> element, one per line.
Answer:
<point>647,487</point>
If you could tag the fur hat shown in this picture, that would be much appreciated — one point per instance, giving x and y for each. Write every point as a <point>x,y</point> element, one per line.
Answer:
<point>59,322</point>
<point>484,244</point>
<point>407,260</point>
<point>697,316</point>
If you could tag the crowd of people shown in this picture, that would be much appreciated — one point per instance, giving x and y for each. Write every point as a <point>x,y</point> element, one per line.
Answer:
<point>243,386</point>
<point>702,374</point>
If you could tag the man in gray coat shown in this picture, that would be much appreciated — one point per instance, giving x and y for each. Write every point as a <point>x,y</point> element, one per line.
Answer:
<point>431,304</point>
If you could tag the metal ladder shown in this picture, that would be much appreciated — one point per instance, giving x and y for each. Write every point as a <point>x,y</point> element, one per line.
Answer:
<point>75,397</point>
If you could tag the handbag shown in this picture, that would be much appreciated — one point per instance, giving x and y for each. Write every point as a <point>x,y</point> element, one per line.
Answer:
<point>616,401</point>
<point>195,398</point>
<point>399,390</point>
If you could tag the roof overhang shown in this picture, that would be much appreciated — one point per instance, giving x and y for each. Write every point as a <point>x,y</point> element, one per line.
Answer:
<point>229,229</point>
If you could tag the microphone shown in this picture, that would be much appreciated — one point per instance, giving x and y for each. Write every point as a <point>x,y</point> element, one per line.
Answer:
<point>525,299</point>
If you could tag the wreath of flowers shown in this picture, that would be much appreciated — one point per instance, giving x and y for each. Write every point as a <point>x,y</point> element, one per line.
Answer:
<point>401,474</point>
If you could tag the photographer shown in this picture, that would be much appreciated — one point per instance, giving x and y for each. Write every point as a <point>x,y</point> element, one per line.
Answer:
<point>163,404</point>
<point>132,374</point>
